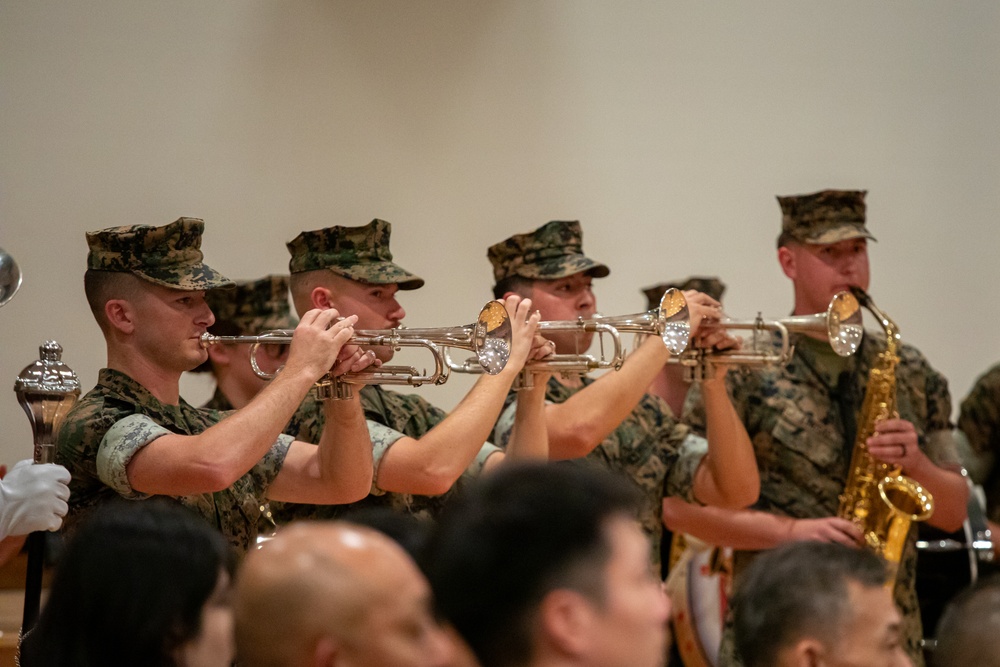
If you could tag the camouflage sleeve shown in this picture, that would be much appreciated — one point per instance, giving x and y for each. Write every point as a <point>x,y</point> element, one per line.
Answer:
<point>122,441</point>
<point>382,438</point>
<point>680,478</point>
<point>504,426</point>
<point>979,418</point>
<point>264,472</point>
<point>486,451</point>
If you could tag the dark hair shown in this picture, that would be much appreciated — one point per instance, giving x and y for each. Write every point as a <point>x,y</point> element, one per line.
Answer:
<point>786,238</point>
<point>515,284</point>
<point>129,588</point>
<point>797,590</point>
<point>969,630</point>
<point>515,536</point>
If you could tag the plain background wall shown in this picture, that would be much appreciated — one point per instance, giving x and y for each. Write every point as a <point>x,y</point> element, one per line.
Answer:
<point>666,127</point>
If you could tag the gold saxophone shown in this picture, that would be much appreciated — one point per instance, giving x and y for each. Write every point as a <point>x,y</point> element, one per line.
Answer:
<point>878,499</point>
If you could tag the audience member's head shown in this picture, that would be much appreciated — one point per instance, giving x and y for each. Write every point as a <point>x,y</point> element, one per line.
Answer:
<point>544,563</point>
<point>335,593</point>
<point>138,584</point>
<point>810,603</point>
<point>969,630</point>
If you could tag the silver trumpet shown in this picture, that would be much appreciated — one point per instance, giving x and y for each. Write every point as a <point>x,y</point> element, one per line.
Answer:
<point>669,321</point>
<point>489,338</point>
<point>841,323</point>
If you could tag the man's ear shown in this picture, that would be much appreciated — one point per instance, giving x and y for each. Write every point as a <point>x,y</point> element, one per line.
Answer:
<point>120,315</point>
<point>806,652</point>
<point>566,620</point>
<point>787,260</point>
<point>322,298</point>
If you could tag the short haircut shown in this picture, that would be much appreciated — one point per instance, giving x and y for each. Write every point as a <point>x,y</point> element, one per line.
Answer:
<point>786,239</point>
<point>515,536</point>
<point>969,630</point>
<point>302,284</point>
<point>795,591</point>
<point>103,286</point>
<point>514,284</point>
<point>130,587</point>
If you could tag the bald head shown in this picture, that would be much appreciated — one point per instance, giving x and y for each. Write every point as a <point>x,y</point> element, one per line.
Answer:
<point>321,592</point>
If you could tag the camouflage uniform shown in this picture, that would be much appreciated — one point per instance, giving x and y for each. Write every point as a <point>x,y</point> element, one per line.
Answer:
<point>801,417</point>
<point>644,447</point>
<point>979,420</point>
<point>362,254</point>
<point>119,416</point>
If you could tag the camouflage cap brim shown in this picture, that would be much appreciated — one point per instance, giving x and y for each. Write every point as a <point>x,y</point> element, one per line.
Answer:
<point>380,273</point>
<point>838,233</point>
<point>561,267</point>
<point>190,278</point>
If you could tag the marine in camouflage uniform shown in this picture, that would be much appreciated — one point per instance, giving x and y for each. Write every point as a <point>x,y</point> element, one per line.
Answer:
<point>802,418</point>
<point>169,256</point>
<point>644,446</point>
<point>248,309</point>
<point>362,254</point>
<point>979,420</point>
<point>119,417</point>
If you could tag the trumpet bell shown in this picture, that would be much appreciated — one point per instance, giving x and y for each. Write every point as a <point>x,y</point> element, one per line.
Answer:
<point>675,320</point>
<point>844,325</point>
<point>492,337</point>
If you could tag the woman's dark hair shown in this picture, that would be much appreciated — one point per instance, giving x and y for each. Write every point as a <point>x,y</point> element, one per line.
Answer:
<point>129,588</point>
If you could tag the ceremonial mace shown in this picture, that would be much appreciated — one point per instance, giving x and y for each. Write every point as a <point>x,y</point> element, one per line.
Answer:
<point>47,390</point>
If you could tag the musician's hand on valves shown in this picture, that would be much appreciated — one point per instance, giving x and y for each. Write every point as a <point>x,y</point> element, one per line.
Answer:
<point>826,529</point>
<point>716,339</point>
<point>701,307</point>
<point>33,497</point>
<point>895,442</point>
<point>318,341</point>
<point>524,324</point>
<point>354,359</point>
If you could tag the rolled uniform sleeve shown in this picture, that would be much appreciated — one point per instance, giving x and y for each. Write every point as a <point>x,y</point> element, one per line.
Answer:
<point>122,441</point>
<point>127,436</point>
<point>382,438</point>
<point>680,479</point>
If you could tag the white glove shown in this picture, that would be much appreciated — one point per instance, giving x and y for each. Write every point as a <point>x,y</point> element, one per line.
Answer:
<point>33,497</point>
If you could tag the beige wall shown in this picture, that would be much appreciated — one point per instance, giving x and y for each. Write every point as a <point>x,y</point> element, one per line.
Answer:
<point>666,127</point>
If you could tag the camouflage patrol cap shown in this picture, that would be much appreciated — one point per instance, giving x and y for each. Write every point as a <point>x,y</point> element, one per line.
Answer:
<point>824,217</point>
<point>359,253</point>
<point>251,307</point>
<point>553,251</point>
<point>169,255</point>
<point>709,285</point>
